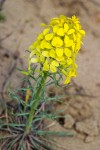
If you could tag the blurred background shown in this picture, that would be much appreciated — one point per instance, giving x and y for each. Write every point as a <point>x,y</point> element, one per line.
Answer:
<point>19,24</point>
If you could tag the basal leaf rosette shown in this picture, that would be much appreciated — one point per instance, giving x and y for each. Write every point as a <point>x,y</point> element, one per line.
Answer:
<point>57,46</point>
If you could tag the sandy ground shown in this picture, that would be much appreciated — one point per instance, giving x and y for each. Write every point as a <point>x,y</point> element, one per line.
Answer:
<point>23,18</point>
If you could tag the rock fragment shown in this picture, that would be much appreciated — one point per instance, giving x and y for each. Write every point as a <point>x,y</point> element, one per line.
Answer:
<point>69,122</point>
<point>89,139</point>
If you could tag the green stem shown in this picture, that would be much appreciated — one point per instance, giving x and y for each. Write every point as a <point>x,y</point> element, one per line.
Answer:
<point>35,104</point>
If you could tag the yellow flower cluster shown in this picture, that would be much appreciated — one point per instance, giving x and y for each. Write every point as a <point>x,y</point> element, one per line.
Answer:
<point>57,46</point>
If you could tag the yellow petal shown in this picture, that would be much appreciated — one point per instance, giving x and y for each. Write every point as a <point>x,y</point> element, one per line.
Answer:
<point>67,80</point>
<point>67,52</point>
<point>54,63</point>
<point>45,31</point>
<point>54,21</point>
<point>53,68</point>
<point>68,42</point>
<point>64,72</point>
<point>63,62</point>
<point>79,36</point>
<point>41,58</point>
<point>38,48</point>
<point>70,31</point>
<point>52,53</point>
<point>59,58</point>
<point>57,41</point>
<point>49,36</point>
<point>66,27</point>
<point>73,46</point>
<point>63,17</point>
<point>82,32</point>
<point>40,36</point>
<point>55,29</point>
<point>77,27</point>
<point>42,44</point>
<point>78,46</point>
<point>72,73</point>
<point>74,37</point>
<point>46,66</point>
<point>34,60</point>
<point>45,53</point>
<point>32,53</point>
<point>48,45</point>
<point>60,32</point>
<point>69,61</point>
<point>59,52</point>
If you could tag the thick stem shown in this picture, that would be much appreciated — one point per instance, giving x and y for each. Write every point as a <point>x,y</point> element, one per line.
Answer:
<point>35,104</point>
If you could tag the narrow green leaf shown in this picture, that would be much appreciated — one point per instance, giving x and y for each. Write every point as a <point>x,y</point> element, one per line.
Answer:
<point>54,133</point>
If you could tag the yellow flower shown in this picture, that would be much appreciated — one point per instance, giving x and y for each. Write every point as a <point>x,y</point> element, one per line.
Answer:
<point>57,46</point>
<point>75,20</point>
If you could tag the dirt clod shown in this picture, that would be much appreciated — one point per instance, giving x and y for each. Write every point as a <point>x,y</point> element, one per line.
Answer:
<point>88,127</point>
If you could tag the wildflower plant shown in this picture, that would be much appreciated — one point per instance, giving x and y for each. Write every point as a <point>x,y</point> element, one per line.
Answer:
<point>52,56</point>
<point>55,50</point>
